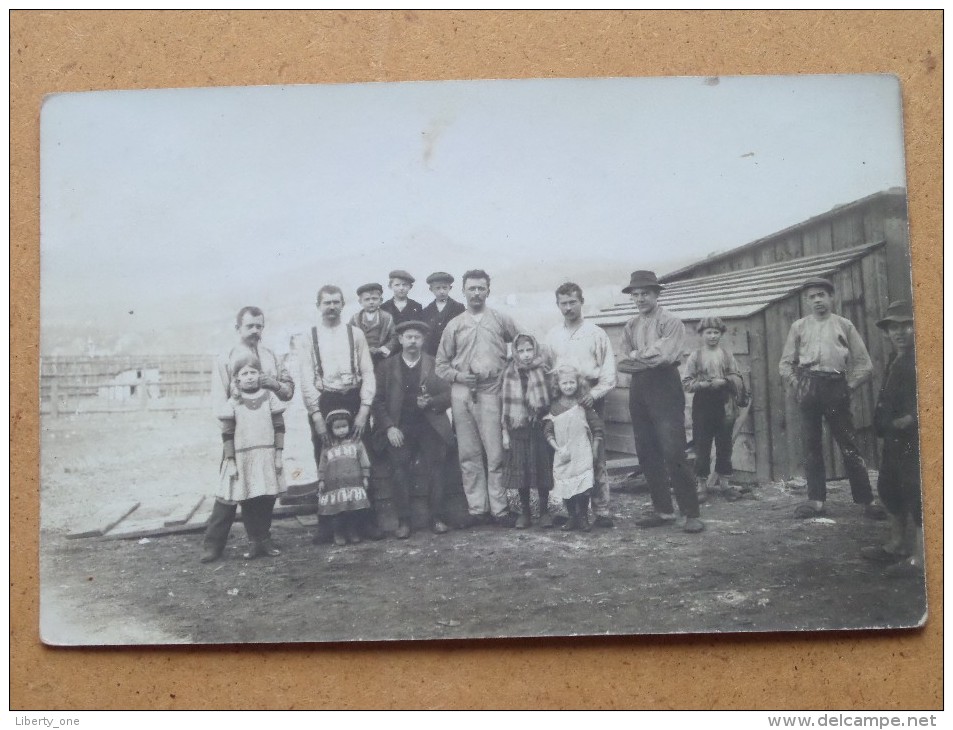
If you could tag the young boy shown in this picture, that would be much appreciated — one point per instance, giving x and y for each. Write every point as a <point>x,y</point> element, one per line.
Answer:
<point>400,306</point>
<point>711,373</point>
<point>895,419</point>
<point>378,326</point>
<point>441,310</point>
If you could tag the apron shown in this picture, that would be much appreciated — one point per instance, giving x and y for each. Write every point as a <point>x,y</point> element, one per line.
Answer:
<point>572,432</point>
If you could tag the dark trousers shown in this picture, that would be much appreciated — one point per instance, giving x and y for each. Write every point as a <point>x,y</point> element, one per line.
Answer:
<point>828,398</point>
<point>899,481</point>
<point>256,514</point>
<point>419,460</point>
<point>710,423</point>
<point>657,409</point>
<point>328,402</point>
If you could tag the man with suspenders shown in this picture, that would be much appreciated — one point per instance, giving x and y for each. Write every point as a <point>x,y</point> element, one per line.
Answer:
<point>337,370</point>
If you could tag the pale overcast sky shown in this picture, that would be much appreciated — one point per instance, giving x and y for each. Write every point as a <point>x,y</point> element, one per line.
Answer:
<point>184,200</point>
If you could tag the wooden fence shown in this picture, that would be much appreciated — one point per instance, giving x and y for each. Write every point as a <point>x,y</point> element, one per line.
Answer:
<point>128,383</point>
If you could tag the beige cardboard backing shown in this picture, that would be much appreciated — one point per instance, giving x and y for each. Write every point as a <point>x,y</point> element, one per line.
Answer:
<point>74,51</point>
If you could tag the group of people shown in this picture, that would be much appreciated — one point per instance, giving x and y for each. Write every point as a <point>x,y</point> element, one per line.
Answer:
<point>528,414</point>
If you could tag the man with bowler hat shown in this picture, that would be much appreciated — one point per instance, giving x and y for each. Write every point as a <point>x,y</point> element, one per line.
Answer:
<point>440,311</point>
<point>653,342</point>
<point>410,421</point>
<point>823,362</point>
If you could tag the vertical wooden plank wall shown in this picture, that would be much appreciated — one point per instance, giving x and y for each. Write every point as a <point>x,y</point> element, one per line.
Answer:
<point>784,421</point>
<point>761,395</point>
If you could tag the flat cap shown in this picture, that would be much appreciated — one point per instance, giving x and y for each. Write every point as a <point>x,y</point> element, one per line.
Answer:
<point>370,287</point>
<point>440,276</point>
<point>401,274</point>
<point>413,324</point>
<point>817,281</point>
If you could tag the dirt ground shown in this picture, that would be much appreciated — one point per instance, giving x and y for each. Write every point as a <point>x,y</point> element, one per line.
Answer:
<point>755,568</point>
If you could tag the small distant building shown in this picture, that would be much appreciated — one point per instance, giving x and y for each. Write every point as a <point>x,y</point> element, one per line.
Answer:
<point>131,385</point>
<point>861,247</point>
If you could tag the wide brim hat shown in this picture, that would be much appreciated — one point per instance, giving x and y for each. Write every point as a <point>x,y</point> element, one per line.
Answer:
<point>401,274</point>
<point>370,287</point>
<point>642,280</point>
<point>819,282</point>
<point>440,276</point>
<point>413,324</point>
<point>898,311</point>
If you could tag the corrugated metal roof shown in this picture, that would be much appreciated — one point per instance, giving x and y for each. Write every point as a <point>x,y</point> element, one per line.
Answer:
<point>739,294</point>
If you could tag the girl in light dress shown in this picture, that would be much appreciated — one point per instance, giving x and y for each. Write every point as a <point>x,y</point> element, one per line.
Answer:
<point>253,432</point>
<point>574,431</point>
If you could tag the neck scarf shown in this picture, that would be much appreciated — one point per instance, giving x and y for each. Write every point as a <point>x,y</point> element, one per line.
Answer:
<point>519,407</point>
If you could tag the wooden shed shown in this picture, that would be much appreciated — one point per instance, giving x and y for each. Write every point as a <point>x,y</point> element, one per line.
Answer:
<point>878,217</point>
<point>759,304</point>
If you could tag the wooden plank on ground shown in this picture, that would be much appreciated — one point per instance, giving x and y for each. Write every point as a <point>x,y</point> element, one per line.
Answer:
<point>184,512</point>
<point>155,530</point>
<point>104,520</point>
<point>307,520</point>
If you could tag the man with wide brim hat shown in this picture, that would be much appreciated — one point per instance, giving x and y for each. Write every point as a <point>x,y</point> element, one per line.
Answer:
<point>652,345</point>
<point>400,306</point>
<point>895,420</point>
<point>411,425</point>
<point>643,280</point>
<point>823,362</point>
<point>441,310</point>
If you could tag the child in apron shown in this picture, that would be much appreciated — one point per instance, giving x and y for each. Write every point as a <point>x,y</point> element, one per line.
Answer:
<point>575,432</point>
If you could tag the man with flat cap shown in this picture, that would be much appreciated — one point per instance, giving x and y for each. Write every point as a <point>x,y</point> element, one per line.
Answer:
<point>401,307</point>
<point>440,311</point>
<point>377,325</point>
<point>653,342</point>
<point>410,419</point>
<point>823,362</point>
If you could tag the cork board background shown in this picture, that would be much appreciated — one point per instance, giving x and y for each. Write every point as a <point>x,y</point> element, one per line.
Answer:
<point>78,51</point>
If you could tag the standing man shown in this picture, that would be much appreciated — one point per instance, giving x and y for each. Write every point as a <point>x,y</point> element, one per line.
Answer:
<point>653,342</point>
<point>337,371</point>
<point>249,324</point>
<point>440,311</point>
<point>586,347</point>
<point>895,418</point>
<point>410,413</point>
<point>471,356</point>
<point>400,306</point>
<point>823,361</point>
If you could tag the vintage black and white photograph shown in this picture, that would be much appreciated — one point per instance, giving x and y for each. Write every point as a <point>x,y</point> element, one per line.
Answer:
<point>477,359</point>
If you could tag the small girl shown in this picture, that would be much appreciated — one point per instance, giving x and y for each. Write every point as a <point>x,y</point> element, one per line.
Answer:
<point>575,432</point>
<point>253,432</point>
<point>343,476</point>
<point>528,460</point>
<point>712,374</point>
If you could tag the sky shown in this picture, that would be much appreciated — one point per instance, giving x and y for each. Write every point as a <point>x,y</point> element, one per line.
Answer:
<point>164,211</point>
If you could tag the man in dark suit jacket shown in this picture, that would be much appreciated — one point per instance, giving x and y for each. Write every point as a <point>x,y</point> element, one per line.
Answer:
<point>441,310</point>
<point>410,417</point>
